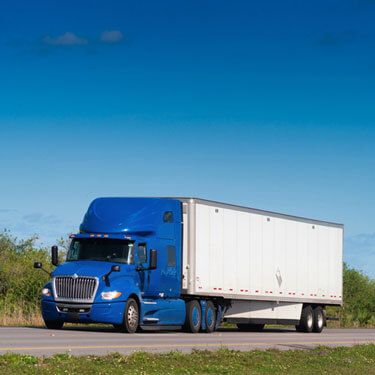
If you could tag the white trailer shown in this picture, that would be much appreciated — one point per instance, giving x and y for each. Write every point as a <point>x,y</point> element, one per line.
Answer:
<point>269,267</point>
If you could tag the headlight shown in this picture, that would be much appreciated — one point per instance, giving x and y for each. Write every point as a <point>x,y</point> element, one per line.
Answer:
<point>46,292</point>
<point>110,295</point>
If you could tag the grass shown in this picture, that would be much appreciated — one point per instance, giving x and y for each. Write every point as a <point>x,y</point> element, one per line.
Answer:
<point>18,318</point>
<point>354,360</point>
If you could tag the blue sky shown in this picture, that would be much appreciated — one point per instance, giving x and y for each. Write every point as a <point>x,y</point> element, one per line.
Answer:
<point>270,105</point>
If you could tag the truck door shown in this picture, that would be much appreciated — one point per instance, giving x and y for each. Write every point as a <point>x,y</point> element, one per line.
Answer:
<point>170,274</point>
<point>143,255</point>
<point>165,280</point>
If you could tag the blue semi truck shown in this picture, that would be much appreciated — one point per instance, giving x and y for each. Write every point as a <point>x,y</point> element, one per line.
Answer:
<point>172,263</point>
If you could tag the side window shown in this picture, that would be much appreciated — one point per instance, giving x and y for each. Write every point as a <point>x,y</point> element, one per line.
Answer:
<point>142,253</point>
<point>171,252</point>
<point>168,217</point>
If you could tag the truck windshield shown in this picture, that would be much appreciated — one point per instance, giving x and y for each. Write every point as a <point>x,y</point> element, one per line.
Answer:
<point>105,250</point>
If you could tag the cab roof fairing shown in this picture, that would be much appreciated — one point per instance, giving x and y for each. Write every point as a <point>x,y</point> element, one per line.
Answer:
<point>129,216</point>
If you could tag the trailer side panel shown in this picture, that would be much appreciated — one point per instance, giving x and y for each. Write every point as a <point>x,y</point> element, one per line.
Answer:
<point>260,256</point>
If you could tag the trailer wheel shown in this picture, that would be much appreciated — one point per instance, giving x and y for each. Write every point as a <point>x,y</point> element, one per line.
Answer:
<point>246,327</point>
<point>306,323</point>
<point>210,317</point>
<point>54,324</point>
<point>193,316</point>
<point>318,319</point>
<point>131,317</point>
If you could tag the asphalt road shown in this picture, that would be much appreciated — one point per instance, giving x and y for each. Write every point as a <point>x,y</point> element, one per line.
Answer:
<point>90,340</point>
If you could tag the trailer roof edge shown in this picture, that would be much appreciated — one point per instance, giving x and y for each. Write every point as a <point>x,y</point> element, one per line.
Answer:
<point>260,211</point>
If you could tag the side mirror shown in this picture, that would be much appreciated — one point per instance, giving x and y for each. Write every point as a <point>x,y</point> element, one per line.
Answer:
<point>55,255</point>
<point>39,265</point>
<point>115,268</point>
<point>153,259</point>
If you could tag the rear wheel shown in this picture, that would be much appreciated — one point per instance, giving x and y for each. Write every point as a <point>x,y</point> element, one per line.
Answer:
<point>318,318</point>
<point>131,317</point>
<point>193,316</point>
<point>210,317</point>
<point>246,327</point>
<point>54,324</point>
<point>306,323</point>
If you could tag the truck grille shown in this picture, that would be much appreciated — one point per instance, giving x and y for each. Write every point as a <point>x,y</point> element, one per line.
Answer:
<point>76,289</point>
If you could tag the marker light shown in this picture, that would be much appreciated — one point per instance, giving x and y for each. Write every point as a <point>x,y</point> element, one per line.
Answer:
<point>46,292</point>
<point>110,295</point>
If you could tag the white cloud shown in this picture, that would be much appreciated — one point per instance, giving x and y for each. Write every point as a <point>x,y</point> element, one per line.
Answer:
<point>111,36</point>
<point>66,39</point>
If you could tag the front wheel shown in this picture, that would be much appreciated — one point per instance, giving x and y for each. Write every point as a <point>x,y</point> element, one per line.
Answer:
<point>54,324</point>
<point>131,317</point>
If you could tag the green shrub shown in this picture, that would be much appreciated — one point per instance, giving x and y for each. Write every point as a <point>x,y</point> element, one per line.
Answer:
<point>20,283</point>
<point>359,298</point>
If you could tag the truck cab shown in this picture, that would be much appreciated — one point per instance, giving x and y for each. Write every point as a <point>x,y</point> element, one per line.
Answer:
<point>122,268</point>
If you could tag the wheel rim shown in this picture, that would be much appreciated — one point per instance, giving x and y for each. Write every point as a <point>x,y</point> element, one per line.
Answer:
<point>195,316</point>
<point>310,320</point>
<point>210,316</point>
<point>132,316</point>
<point>320,320</point>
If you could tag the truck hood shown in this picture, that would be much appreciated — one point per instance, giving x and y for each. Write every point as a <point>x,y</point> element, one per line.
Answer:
<point>90,268</point>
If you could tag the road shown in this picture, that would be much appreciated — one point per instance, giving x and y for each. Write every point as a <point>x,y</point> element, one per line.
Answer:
<point>90,340</point>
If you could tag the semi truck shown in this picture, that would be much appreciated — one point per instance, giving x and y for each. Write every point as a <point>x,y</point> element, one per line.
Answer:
<point>188,263</point>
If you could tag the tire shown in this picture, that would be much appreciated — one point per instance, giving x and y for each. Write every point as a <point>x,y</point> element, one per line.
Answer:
<point>247,327</point>
<point>120,328</point>
<point>131,317</point>
<point>306,323</point>
<point>318,317</point>
<point>54,324</point>
<point>210,317</point>
<point>193,316</point>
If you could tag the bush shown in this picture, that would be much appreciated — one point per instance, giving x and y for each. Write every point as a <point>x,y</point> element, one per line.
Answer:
<point>359,298</point>
<point>20,283</point>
